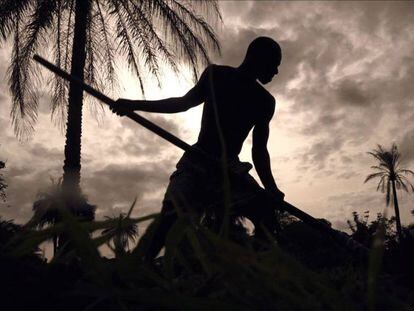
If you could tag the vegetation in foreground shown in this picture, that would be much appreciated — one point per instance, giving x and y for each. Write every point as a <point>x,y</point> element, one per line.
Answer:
<point>302,270</point>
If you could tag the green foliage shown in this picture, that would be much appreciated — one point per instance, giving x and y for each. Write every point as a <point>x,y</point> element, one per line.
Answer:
<point>7,230</point>
<point>365,232</point>
<point>199,270</point>
<point>121,232</point>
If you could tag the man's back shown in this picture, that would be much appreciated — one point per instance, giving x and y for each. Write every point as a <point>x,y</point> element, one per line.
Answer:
<point>239,104</point>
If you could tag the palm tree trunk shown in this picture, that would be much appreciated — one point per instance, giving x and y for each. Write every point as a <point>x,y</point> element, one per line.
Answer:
<point>72,164</point>
<point>397,211</point>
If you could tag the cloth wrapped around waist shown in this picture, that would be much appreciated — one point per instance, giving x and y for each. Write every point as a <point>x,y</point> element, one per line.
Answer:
<point>199,184</point>
<point>193,161</point>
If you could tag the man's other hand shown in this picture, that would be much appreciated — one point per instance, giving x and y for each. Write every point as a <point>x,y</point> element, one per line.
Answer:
<point>121,107</point>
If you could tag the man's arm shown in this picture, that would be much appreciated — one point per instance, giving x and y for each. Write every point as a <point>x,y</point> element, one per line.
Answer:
<point>193,98</point>
<point>261,158</point>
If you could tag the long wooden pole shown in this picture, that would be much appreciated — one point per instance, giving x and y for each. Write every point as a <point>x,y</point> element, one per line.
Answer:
<point>339,237</point>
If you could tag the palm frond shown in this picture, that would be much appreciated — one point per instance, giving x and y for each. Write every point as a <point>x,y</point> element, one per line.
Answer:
<point>405,171</point>
<point>95,53</point>
<point>131,207</point>
<point>374,175</point>
<point>109,51</point>
<point>208,7</point>
<point>68,34</point>
<point>144,18</point>
<point>199,22</point>
<point>24,96</point>
<point>399,181</point>
<point>183,47</point>
<point>141,38</point>
<point>16,85</point>
<point>184,33</point>
<point>380,168</point>
<point>59,90</point>
<point>125,43</point>
<point>406,181</point>
<point>94,71</point>
<point>381,184</point>
<point>388,194</point>
<point>10,12</point>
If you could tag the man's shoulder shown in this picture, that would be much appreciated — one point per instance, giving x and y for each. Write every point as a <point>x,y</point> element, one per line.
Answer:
<point>218,69</point>
<point>218,75</point>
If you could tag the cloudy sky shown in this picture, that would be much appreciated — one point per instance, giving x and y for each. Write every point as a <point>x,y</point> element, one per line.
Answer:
<point>345,85</point>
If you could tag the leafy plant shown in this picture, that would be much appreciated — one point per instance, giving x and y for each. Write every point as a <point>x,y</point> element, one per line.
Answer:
<point>200,270</point>
<point>47,209</point>
<point>7,230</point>
<point>121,232</point>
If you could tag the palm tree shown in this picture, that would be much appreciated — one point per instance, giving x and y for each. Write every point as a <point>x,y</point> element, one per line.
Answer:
<point>83,35</point>
<point>47,211</point>
<point>121,232</point>
<point>391,177</point>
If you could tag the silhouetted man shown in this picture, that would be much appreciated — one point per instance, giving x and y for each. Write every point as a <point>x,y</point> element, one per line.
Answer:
<point>234,103</point>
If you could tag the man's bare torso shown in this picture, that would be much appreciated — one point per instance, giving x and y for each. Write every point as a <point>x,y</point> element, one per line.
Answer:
<point>239,104</point>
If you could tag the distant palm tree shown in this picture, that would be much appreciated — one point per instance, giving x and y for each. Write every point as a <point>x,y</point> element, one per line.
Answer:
<point>121,232</point>
<point>82,35</point>
<point>391,177</point>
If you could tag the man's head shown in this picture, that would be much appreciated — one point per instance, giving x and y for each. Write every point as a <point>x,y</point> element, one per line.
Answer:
<point>263,57</point>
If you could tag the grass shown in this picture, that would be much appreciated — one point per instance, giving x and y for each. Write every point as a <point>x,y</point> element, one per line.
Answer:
<point>201,269</point>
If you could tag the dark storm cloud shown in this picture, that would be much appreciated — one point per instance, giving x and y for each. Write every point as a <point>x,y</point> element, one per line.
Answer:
<point>406,147</point>
<point>116,185</point>
<point>24,184</point>
<point>346,159</point>
<point>317,155</point>
<point>347,175</point>
<point>350,91</point>
<point>54,155</point>
<point>142,142</point>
